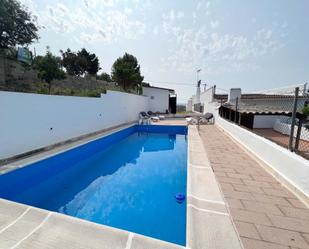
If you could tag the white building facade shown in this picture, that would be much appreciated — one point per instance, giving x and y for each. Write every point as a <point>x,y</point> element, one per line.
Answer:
<point>159,98</point>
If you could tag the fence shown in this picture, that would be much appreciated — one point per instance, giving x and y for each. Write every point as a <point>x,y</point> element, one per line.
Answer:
<point>282,118</point>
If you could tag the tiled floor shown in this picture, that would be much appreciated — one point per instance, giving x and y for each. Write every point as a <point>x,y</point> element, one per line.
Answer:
<point>265,213</point>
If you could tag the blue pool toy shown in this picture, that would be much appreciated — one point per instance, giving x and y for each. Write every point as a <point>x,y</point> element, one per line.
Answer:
<point>180,197</point>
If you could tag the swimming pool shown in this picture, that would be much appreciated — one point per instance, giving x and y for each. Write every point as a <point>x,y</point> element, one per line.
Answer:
<point>127,180</point>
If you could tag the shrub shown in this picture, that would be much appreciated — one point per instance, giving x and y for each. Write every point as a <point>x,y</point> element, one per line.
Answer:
<point>305,111</point>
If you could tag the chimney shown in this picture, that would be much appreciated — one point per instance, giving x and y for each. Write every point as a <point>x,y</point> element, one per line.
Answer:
<point>234,93</point>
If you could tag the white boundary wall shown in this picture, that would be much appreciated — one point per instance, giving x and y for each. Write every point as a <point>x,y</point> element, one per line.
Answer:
<point>290,167</point>
<point>285,128</point>
<point>31,121</point>
<point>265,121</point>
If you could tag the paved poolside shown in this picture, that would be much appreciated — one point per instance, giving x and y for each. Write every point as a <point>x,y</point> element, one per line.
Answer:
<point>267,215</point>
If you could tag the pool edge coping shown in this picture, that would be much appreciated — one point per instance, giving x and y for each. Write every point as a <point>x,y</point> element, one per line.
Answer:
<point>209,223</point>
<point>68,142</point>
<point>72,227</point>
<point>52,150</point>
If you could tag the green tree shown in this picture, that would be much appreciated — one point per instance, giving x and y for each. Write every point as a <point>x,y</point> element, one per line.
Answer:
<point>16,24</point>
<point>90,61</point>
<point>74,64</point>
<point>126,72</point>
<point>104,76</point>
<point>80,63</point>
<point>49,68</point>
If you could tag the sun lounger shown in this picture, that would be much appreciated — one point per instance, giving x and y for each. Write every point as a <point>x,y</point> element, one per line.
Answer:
<point>153,117</point>
<point>144,118</point>
<point>161,117</point>
<point>207,118</point>
<point>191,120</point>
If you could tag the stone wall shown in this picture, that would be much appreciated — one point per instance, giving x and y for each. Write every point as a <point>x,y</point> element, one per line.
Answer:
<point>15,76</point>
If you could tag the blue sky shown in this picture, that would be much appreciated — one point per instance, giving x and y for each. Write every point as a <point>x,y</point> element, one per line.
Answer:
<point>254,45</point>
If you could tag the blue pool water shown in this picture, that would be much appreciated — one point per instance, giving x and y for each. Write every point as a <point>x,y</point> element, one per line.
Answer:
<point>127,180</point>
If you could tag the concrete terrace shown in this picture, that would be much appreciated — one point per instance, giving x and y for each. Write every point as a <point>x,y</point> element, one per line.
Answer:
<point>266,214</point>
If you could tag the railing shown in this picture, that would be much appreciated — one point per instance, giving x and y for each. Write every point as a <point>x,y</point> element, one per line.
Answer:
<point>287,115</point>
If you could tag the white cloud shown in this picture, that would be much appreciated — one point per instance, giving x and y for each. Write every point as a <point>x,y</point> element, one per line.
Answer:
<point>214,24</point>
<point>86,3</point>
<point>194,17</point>
<point>104,25</point>
<point>218,52</point>
<point>116,24</point>
<point>263,34</point>
<point>57,18</point>
<point>180,14</point>
<point>97,21</point>
<point>155,30</point>
<point>203,8</point>
<point>203,47</point>
<point>97,3</point>
<point>172,15</point>
<point>284,25</point>
<point>128,11</point>
<point>198,6</point>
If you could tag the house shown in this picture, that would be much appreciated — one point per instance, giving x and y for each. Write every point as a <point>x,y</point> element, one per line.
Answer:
<point>161,100</point>
<point>276,115</point>
<point>258,110</point>
<point>189,105</point>
<point>251,110</point>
